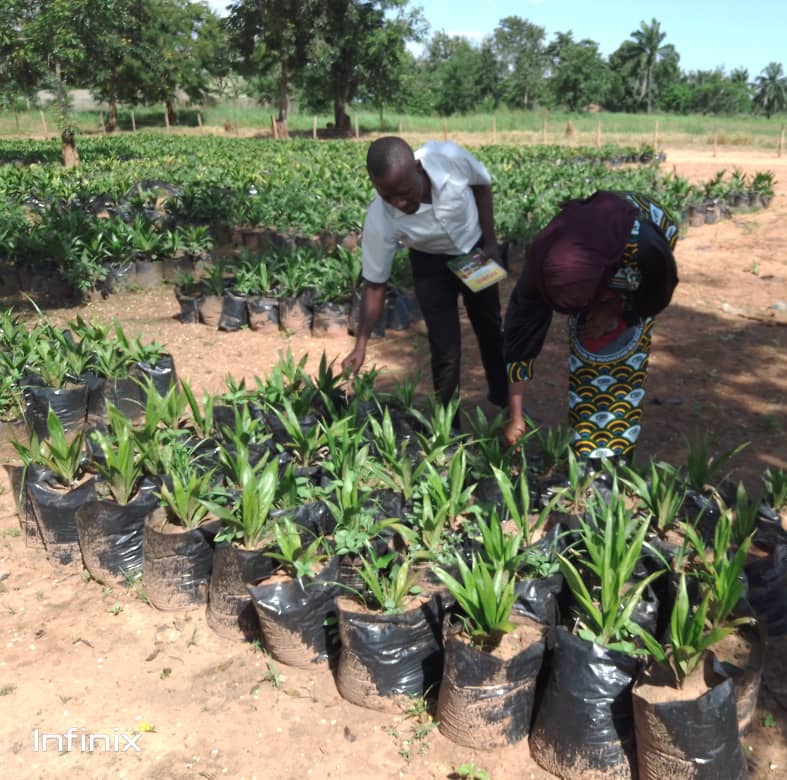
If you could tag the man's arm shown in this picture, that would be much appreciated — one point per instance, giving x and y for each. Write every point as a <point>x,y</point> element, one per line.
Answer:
<point>486,218</point>
<point>372,304</point>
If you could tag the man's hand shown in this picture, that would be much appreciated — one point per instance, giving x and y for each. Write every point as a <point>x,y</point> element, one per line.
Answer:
<point>489,250</point>
<point>514,431</point>
<point>353,362</point>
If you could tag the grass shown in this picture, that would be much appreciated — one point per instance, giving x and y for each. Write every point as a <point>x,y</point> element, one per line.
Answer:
<point>510,126</point>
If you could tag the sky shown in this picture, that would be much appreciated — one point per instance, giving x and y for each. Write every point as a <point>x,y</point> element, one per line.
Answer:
<point>724,33</point>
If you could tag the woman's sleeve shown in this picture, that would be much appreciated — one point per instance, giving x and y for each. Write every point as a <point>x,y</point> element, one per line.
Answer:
<point>525,328</point>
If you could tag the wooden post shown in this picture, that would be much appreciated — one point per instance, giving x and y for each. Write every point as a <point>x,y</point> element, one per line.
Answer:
<point>656,136</point>
<point>166,119</point>
<point>598,133</point>
<point>314,127</point>
<point>274,128</point>
<point>133,123</point>
<point>781,140</point>
<point>400,126</point>
<point>544,131</point>
<point>445,130</point>
<point>101,119</point>
<point>357,132</point>
<point>43,121</point>
<point>494,128</point>
<point>199,121</point>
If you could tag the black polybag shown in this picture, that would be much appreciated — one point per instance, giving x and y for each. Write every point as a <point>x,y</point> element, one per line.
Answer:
<point>230,612</point>
<point>234,314</point>
<point>383,655</point>
<point>768,590</point>
<point>68,403</point>
<point>695,738</point>
<point>110,535</point>
<point>55,512</point>
<point>302,608</point>
<point>539,598</point>
<point>18,477</point>
<point>584,721</point>
<point>162,374</point>
<point>176,567</point>
<point>480,689</point>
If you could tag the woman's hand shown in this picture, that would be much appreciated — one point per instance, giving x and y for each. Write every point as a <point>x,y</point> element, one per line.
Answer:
<point>514,431</point>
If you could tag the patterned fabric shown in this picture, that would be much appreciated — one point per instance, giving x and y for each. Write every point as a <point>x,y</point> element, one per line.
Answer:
<point>606,391</point>
<point>520,371</point>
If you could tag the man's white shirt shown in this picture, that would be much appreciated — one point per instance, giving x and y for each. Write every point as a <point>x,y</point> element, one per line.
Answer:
<point>448,225</point>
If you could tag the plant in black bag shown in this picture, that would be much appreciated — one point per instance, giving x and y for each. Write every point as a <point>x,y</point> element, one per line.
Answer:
<point>485,593</point>
<point>64,457</point>
<point>389,581</point>
<point>660,492</point>
<point>246,511</point>
<point>611,546</point>
<point>121,465</point>
<point>687,720</point>
<point>298,560</point>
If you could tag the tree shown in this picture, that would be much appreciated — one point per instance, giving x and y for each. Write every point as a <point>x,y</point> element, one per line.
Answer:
<point>350,45</point>
<point>770,95</point>
<point>518,47</point>
<point>274,33</point>
<point>20,68</point>
<point>645,55</point>
<point>581,76</point>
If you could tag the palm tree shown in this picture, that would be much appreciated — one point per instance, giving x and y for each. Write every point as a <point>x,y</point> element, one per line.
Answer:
<point>646,52</point>
<point>771,90</point>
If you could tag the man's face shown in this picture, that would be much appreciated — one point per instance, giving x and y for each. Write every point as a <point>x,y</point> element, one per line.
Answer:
<point>403,186</point>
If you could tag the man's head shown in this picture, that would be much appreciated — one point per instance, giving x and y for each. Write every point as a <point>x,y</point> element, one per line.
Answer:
<point>398,177</point>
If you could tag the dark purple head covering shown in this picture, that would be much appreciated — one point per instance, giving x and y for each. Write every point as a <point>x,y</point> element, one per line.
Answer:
<point>573,258</point>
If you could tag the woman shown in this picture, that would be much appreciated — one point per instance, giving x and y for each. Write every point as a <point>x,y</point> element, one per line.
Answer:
<point>607,262</point>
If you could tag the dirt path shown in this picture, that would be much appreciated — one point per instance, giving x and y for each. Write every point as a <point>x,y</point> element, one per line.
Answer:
<point>76,654</point>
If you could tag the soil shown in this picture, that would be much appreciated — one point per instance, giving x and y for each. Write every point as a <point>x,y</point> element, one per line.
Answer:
<point>78,654</point>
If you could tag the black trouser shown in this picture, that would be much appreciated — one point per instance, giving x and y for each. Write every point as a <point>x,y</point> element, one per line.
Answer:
<point>437,290</point>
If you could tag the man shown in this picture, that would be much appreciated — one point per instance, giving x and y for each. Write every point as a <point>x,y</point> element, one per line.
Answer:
<point>438,203</point>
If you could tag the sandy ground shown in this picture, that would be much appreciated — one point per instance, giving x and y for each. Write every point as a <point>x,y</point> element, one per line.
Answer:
<point>77,654</point>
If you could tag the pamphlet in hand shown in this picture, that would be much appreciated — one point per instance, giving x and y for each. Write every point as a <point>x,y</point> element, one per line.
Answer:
<point>476,271</point>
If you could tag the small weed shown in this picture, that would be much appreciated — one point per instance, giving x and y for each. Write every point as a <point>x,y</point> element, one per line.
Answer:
<point>14,532</point>
<point>165,672</point>
<point>415,740</point>
<point>106,592</point>
<point>11,610</point>
<point>116,608</point>
<point>64,699</point>
<point>193,640</point>
<point>256,646</point>
<point>40,595</point>
<point>6,689</point>
<point>470,771</point>
<point>146,728</point>
<point>755,268</point>
<point>86,576</point>
<point>273,676</point>
<point>768,721</point>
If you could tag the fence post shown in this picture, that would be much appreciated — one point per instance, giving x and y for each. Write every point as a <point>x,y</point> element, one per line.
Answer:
<point>400,126</point>
<point>199,121</point>
<point>133,123</point>
<point>101,119</point>
<point>274,129</point>
<point>43,122</point>
<point>494,128</point>
<point>781,140</point>
<point>166,119</point>
<point>598,133</point>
